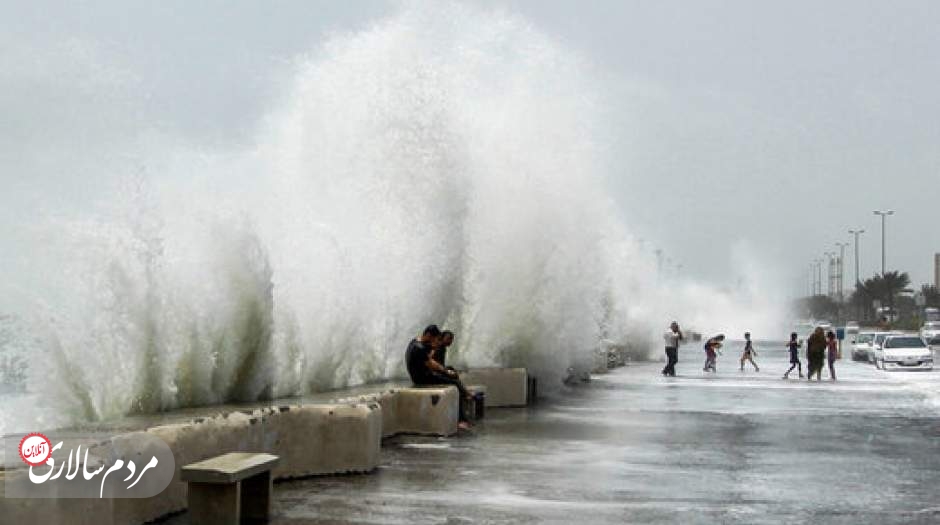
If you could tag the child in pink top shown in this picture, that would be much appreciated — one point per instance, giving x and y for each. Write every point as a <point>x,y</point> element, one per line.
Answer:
<point>832,345</point>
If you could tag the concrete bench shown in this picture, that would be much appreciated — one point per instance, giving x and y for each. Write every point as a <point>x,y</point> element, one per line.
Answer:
<point>427,410</point>
<point>231,487</point>
<point>321,439</point>
<point>505,387</point>
<point>473,408</point>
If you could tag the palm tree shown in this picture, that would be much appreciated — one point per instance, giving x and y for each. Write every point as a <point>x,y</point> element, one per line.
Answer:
<point>886,287</point>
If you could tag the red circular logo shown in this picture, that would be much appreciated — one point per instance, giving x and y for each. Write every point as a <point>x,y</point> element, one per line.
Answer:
<point>35,449</point>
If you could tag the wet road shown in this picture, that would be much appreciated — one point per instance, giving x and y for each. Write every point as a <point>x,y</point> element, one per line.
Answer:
<point>635,447</point>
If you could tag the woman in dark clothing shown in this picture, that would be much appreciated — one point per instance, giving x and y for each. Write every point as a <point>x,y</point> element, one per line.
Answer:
<point>816,353</point>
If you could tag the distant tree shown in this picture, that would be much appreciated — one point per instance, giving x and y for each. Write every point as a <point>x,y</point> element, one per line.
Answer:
<point>860,304</point>
<point>909,317</point>
<point>819,307</point>
<point>886,288</point>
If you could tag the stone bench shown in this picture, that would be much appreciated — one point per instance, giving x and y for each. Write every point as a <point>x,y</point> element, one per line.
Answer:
<point>426,410</point>
<point>335,438</point>
<point>505,387</point>
<point>231,487</point>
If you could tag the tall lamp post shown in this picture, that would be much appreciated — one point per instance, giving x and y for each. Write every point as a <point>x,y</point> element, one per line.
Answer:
<point>812,279</point>
<point>818,277</point>
<point>858,309</point>
<point>884,214</point>
<point>841,269</point>
<point>830,256</point>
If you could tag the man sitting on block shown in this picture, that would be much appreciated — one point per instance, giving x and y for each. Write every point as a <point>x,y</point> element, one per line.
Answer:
<point>440,349</point>
<point>426,371</point>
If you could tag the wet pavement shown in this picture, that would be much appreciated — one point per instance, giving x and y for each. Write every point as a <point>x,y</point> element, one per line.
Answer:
<point>635,447</point>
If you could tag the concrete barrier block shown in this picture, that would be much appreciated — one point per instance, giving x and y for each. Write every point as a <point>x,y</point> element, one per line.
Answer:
<point>388,400</point>
<point>430,410</point>
<point>505,387</point>
<point>324,439</point>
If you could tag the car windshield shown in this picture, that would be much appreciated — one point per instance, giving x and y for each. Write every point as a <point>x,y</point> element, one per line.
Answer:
<point>864,338</point>
<point>932,326</point>
<point>905,342</point>
<point>935,341</point>
<point>880,338</point>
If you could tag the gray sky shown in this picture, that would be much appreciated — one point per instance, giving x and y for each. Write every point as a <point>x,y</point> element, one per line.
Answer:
<point>779,125</point>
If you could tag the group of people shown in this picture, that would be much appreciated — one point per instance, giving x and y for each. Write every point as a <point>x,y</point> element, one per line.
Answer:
<point>821,347</point>
<point>426,361</point>
<point>818,344</point>
<point>712,351</point>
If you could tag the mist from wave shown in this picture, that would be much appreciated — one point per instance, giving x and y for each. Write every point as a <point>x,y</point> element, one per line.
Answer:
<point>445,165</point>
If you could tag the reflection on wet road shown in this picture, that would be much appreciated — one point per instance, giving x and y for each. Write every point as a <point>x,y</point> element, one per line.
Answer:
<point>635,447</point>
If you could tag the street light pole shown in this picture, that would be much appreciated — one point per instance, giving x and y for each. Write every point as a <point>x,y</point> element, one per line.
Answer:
<point>818,277</point>
<point>830,289</point>
<point>811,274</point>
<point>841,246</point>
<point>819,274</point>
<point>884,214</point>
<point>858,309</point>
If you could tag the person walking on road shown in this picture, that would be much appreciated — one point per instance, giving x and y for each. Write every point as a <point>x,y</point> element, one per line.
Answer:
<point>712,351</point>
<point>673,338</point>
<point>749,352</point>
<point>794,347</point>
<point>832,346</point>
<point>815,354</point>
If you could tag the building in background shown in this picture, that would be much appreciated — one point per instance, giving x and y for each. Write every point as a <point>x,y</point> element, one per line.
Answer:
<point>936,270</point>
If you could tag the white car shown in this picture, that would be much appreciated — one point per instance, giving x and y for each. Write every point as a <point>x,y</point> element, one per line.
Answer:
<point>851,328</point>
<point>930,330</point>
<point>875,345</point>
<point>861,346</point>
<point>873,352</point>
<point>904,352</point>
<point>934,343</point>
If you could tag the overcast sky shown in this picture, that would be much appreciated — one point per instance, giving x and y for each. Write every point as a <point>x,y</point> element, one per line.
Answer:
<point>779,125</point>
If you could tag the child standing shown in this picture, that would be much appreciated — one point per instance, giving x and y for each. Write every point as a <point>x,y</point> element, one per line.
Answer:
<point>832,346</point>
<point>794,347</point>
<point>749,352</point>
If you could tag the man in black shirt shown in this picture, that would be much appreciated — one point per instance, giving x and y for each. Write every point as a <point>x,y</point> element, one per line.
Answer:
<point>440,349</point>
<point>419,353</point>
<point>424,370</point>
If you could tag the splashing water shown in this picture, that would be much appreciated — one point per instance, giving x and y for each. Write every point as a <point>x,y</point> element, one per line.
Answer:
<point>443,166</point>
